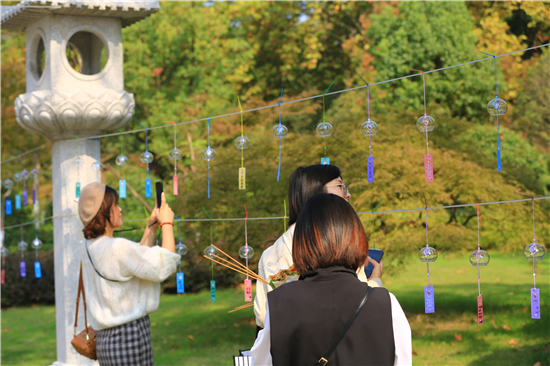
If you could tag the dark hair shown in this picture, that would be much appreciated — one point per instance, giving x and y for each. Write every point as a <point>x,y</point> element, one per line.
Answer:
<point>97,226</point>
<point>306,182</point>
<point>328,233</point>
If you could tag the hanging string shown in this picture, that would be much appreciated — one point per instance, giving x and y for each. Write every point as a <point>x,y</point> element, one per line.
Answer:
<point>211,240</point>
<point>425,110</point>
<point>324,115</point>
<point>427,246</point>
<point>496,97</point>
<point>242,131</point>
<point>280,138</point>
<point>246,238</point>
<point>175,145</point>
<point>146,143</point>
<point>478,250</point>
<point>208,129</point>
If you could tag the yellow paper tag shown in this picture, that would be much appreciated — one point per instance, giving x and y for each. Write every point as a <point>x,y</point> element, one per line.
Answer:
<point>242,178</point>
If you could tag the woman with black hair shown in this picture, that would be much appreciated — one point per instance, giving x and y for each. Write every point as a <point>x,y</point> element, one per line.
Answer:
<point>304,183</point>
<point>328,316</point>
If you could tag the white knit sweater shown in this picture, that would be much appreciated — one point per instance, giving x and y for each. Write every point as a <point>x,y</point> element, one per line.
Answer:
<point>140,269</point>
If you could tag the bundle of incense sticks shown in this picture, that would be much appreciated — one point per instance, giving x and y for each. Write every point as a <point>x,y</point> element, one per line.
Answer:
<point>247,305</point>
<point>234,265</point>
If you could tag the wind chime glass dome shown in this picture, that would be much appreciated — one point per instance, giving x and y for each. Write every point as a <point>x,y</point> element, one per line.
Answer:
<point>425,123</point>
<point>4,252</point>
<point>22,246</point>
<point>25,174</point>
<point>242,142</point>
<point>280,131</point>
<point>121,160</point>
<point>17,177</point>
<point>479,258</point>
<point>175,154</point>
<point>8,183</point>
<point>534,250</point>
<point>97,166</point>
<point>427,254</point>
<point>34,173</point>
<point>369,128</point>
<point>209,154</point>
<point>37,243</point>
<point>497,107</point>
<point>210,251</point>
<point>181,248</point>
<point>147,157</point>
<point>246,252</point>
<point>324,129</point>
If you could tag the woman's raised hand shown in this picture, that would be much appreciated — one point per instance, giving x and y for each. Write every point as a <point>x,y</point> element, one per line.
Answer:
<point>377,270</point>
<point>153,219</point>
<point>165,213</point>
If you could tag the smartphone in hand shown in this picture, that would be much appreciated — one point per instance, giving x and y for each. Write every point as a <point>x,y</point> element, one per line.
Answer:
<point>375,254</point>
<point>160,189</point>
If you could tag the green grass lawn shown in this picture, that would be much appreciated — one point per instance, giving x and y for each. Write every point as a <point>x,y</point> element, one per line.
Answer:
<point>190,330</point>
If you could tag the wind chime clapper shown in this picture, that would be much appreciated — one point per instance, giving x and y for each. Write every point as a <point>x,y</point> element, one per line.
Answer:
<point>426,124</point>
<point>369,128</point>
<point>181,249</point>
<point>35,173</point>
<point>208,154</point>
<point>427,255</point>
<point>246,252</point>
<point>496,107</point>
<point>22,246</point>
<point>534,252</point>
<point>242,143</point>
<point>175,154</point>
<point>479,258</point>
<point>209,252</point>
<point>325,129</point>
<point>121,161</point>
<point>24,177</point>
<point>146,158</point>
<point>97,166</point>
<point>280,131</point>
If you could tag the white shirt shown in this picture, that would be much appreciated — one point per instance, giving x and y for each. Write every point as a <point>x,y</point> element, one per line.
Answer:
<point>140,269</point>
<point>261,354</point>
<point>279,256</point>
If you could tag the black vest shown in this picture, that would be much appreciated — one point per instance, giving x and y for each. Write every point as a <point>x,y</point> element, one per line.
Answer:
<point>307,316</point>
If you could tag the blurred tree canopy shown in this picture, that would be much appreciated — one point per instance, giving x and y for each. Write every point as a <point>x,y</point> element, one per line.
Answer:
<point>192,59</point>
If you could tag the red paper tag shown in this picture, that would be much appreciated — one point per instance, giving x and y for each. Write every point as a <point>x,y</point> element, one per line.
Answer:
<point>247,290</point>
<point>175,185</point>
<point>480,310</point>
<point>3,275</point>
<point>429,168</point>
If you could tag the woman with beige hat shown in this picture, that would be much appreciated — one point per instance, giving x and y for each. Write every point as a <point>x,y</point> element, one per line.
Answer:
<point>122,278</point>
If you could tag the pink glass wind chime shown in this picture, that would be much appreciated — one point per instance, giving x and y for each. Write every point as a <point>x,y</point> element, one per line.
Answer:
<point>175,154</point>
<point>534,252</point>
<point>427,255</point>
<point>496,107</point>
<point>479,258</point>
<point>369,128</point>
<point>426,124</point>
<point>246,252</point>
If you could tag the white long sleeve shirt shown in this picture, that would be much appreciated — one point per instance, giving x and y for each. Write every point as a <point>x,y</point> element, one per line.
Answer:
<point>279,256</point>
<point>139,270</point>
<point>261,351</point>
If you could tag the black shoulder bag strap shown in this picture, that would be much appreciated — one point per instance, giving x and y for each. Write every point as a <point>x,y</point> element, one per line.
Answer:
<point>324,360</point>
<point>90,258</point>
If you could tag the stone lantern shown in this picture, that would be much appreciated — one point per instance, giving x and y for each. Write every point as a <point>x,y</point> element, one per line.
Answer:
<point>75,89</point>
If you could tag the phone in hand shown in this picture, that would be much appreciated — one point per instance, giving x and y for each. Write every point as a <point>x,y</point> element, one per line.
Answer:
<point>160,189</point>
<point>375,254</point>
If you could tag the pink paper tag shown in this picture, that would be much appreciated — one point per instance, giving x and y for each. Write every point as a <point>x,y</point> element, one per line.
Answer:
<point>247,290</point>
<point>429,168</point>
<point>175,185</point>
<point>3,275</point>
<point>480,310</point>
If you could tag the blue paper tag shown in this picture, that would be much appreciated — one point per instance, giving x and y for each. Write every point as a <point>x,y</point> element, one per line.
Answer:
<point>180,282</point>
<point>535,303</point>
<point>77,189</point>
<point>498,156</point>
<point>122,188</point>
<point>17,201</point>
<point>34,196</point>
<point>8,207</point>
<point>429,302</point>
<point>23,268</point>
<point>147,188</point>
<point>370,169</point>
<point>325,161</point>
<point>25,198</point>
<point>212,290</point>
<point>37,270</point>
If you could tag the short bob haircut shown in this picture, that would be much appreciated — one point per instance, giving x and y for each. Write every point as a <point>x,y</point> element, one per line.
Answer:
<point>306,182</point>
<point>328,233</point>
<point>97,226</point>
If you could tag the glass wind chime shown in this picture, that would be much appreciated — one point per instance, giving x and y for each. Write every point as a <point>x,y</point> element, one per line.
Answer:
<point>121,161</point>
<point>325,129</point>
<point>97,164</point>
<point>175,154</point>
<point>496,107</point>
<point>242,143</point>
<point>427,255</point>
<point>369,128</point>
<point>211,252</point>
<point>426,124</point>
<point>22,246</point>
<point>37,244</point>
<point>147,158</point>
<point>78,161</point>
<point>25,175</point>
<point>246,252</point>
<point>208,154</point>
<point>280,131</point>
<point>479,258</point>
<point>8,184</point>
<point>17,177</point>
<point>35,173</point>
<point>181,249</point>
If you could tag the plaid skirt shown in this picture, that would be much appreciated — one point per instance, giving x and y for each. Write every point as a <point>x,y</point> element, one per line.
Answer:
<point>126,345</point>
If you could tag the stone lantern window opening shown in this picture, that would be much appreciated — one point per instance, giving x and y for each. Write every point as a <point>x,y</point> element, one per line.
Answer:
<point>37,63</point>
<point>87,53</point>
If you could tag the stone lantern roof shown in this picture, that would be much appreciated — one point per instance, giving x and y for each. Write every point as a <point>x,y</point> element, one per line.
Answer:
<point>30,11</point>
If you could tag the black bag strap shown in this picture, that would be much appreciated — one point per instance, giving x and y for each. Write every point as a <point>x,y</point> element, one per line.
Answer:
<point>324,360</point>
<point>90,258</point>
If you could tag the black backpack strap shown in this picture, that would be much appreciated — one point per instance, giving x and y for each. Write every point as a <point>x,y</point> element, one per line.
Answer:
<point>90,258</point>
<point>324,360</point>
